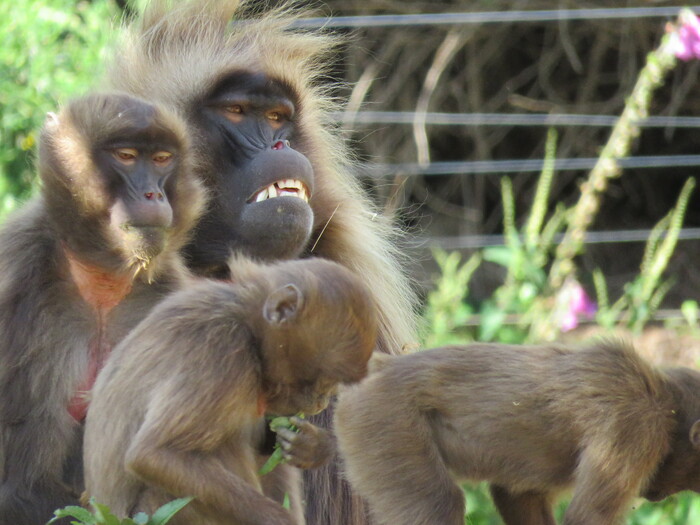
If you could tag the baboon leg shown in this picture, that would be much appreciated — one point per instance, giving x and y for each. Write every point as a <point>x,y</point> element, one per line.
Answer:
<point>526,508</point>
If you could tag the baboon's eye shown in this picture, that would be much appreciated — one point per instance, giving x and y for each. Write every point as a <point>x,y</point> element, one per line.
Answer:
<point>162,158</point>
<point>234,108</point>
<point>277,117</point>
<point>234,112</point>
<point>126,155</point>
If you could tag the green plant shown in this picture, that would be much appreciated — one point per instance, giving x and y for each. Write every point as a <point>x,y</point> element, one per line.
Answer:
<point>642,296</point>
<point>680,509</point>
<point>524,256</point>
<point>480,508</point>
<point>447,312</point>
<point>659,63</point>
<point>277,455</point>
<point>51,50</point>
<point>101,515</point>
<point>691,311</point>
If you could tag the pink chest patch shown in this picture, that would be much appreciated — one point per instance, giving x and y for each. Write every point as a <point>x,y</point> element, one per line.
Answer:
<point>78,405</point>
<point>102,291</point>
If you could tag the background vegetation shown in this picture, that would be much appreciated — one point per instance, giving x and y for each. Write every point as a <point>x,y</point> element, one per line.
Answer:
<point>50,50</point>
<point>53,49</point>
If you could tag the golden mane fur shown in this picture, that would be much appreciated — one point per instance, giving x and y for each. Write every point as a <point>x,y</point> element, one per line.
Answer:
<point>178,51</point>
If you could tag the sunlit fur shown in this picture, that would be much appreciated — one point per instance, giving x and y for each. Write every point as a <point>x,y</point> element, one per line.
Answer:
<point>176,53</point>
<point>531,420</point>
<point>178,408</point>
<point>67,168</point>
<point>68,292</point>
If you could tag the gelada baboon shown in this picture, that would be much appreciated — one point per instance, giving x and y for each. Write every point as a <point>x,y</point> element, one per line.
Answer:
<point>530,420</point>
<point>79,266</point>
<point>256,99</point>
<point>178,409</point>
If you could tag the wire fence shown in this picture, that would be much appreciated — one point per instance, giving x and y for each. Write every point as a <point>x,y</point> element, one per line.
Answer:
<point>593,237</point>
<point>356,119</point>
<point>478,167</point>
<point>490,17</point>
<point>507,119</point>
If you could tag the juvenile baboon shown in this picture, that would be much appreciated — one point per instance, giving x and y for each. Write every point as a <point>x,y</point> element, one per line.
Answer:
<point>178,409</point>
<point>79,266</point>
<point>530,420</point>
<point>257,99</point>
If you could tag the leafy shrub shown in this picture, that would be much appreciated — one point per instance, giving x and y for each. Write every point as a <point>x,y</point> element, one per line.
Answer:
<point>101,515</point>
<point>51,50</point>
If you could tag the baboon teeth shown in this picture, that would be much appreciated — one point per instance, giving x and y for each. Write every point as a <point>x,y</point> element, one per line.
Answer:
<point>282,188</point>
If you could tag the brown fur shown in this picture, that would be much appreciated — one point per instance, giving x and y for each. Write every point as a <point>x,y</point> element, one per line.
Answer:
<point>531,420</point>
<point>69,184</point>
<point>177,53</point>
<point>70,289</point>
<point>178,402</point>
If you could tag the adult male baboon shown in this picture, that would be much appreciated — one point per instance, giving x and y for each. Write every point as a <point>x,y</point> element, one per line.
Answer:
<point>531,420</point>
<point>253,96</point>
<point>178,409</point>
<point>79,266</point>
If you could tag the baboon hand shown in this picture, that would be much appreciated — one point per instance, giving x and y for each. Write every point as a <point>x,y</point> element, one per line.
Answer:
<point>309,447</point>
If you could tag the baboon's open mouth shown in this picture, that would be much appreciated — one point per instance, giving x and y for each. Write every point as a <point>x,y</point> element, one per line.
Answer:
<point>282,188</point>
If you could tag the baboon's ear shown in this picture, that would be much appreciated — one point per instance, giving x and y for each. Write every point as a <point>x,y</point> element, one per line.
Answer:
<point>694,435</point>
<point>51,119</point>
<point>283,304</point>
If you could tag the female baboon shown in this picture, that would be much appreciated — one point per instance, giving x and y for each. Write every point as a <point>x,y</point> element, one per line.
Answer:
<point>79,266</point>
<point>278,175</point>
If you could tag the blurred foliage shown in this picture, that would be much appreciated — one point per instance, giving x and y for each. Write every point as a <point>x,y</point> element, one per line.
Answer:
<point>102,515</point>
<point>681,509</point>
<point>642,296</point>
<point>50,50</point>
<point>516,311</point>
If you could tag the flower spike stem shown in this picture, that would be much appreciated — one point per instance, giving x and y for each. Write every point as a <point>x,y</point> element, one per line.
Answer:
<point>680,41</point>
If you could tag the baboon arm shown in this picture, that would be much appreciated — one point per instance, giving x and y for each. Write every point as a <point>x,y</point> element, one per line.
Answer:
<point>195,442</point>
<point>528,508</point>
<point>34,452</point>
<point>203,475</point>
<point>284,483</point>
<point>603,487</point>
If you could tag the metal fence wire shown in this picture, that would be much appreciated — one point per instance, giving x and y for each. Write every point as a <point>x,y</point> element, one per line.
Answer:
<point>369,119</point>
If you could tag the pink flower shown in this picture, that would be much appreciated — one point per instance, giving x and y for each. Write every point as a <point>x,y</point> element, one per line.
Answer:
<point>573,304</point>
<point>685,38</point>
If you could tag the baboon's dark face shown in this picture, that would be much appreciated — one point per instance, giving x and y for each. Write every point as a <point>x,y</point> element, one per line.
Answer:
<point>261,185</point>
<point>681,469</point>
<point>138,164</point>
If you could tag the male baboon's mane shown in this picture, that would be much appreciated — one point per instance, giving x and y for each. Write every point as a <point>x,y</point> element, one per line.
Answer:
<point>176,53</point>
